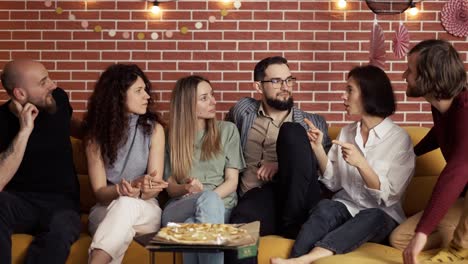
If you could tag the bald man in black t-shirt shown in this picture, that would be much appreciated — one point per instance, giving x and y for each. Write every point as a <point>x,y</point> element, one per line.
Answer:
<point>39,190</point>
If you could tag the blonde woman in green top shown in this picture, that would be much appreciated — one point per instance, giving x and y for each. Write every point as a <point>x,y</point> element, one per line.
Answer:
<point>203,161</point>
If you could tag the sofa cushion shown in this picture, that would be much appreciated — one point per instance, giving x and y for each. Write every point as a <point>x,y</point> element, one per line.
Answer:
<point>428,168</point>
<point>19,246</point>
<point>417,194</point>
<point>79,251</point>
<point>429,164</point>
<point>369,253</point>
<point>273,246</point>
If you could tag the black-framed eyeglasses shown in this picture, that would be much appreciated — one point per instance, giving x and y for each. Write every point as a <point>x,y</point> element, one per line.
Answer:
<point>277,83</point>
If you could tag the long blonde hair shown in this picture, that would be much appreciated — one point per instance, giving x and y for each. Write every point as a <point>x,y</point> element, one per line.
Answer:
<point>183,128</point>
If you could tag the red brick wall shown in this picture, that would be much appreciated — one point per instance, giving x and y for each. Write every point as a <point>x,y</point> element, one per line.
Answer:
<point>321,42</point>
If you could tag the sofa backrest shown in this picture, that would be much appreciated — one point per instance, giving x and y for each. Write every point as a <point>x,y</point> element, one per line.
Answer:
<point>79,156</point>
<point>428,169</point>
<point>87,199</point>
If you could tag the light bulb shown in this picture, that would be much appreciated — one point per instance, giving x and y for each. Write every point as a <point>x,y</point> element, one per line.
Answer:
<point>342,3</point>
<point>413,11</point>
<point>155,9</point>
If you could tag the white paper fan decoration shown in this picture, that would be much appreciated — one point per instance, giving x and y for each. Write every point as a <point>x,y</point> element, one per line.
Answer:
<point>455,17</point>
<point>401,41</point>
<point>377,47</point>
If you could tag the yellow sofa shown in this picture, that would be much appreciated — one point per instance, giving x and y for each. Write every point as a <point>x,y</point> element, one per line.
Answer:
<point>428,167</point>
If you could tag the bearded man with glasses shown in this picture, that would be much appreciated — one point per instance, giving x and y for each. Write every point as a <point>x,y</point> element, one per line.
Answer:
<point>276,188</point>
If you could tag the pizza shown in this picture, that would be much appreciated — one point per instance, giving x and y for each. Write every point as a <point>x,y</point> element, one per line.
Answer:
<point>201,233</point>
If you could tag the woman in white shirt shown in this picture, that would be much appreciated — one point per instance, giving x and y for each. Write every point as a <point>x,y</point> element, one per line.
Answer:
<point>369,166</point>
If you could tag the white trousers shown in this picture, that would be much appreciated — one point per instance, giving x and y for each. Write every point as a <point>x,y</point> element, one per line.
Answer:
<point>113,227</point>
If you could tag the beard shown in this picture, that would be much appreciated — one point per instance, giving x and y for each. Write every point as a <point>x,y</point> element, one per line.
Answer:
<point>50,108</point>
<point>280,104</point>
<point>412,91</point>
<point>48,105</point>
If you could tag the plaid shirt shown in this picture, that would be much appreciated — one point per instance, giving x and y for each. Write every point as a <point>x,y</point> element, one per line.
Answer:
<point>243,114</point>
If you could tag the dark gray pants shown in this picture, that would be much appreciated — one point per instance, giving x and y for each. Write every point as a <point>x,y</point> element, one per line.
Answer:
<point>52,218</point>
<point>331,226</point>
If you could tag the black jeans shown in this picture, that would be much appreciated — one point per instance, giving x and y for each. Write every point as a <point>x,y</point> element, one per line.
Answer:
<point>282,206</point>
<point>331,226</point>
<point>52,218</point>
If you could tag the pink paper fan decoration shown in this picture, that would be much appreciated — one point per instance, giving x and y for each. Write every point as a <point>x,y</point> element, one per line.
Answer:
<point>401,42</point>
<point>455,17</point>
<point>377,47</point>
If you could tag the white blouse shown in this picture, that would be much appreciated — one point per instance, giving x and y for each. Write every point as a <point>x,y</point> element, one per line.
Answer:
<point>389,151</point>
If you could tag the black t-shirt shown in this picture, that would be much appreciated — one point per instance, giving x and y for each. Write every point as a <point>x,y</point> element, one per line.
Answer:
<point>47,165</point>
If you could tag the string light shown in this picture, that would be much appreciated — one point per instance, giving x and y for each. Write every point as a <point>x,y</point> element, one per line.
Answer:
<point>413,9</point>
<point>342,4</point>
<point>155,9</point>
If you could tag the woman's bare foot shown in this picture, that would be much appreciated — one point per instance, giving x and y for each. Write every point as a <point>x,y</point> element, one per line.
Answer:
<point>313,255</point>
<point>287,261</point>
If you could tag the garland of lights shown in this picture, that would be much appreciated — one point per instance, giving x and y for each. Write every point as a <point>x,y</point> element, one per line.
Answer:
<point>154,8</point>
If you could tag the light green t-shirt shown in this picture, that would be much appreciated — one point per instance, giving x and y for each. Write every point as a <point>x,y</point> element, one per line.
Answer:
<point>211,172</point>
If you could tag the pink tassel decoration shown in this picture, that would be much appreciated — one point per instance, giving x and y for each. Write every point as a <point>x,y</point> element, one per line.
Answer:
<point>377,47</point>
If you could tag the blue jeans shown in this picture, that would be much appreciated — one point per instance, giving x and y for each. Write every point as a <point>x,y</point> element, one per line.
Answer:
<point>203,207</point>
<point>332,227</point>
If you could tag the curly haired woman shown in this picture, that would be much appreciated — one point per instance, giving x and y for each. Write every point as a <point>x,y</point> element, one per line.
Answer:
<point>125,152</point>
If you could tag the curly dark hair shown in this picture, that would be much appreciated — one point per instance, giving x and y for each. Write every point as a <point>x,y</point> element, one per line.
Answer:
<point>106,122</point>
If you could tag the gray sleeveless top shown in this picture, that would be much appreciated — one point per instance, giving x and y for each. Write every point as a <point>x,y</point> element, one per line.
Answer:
<point>137,157</point>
